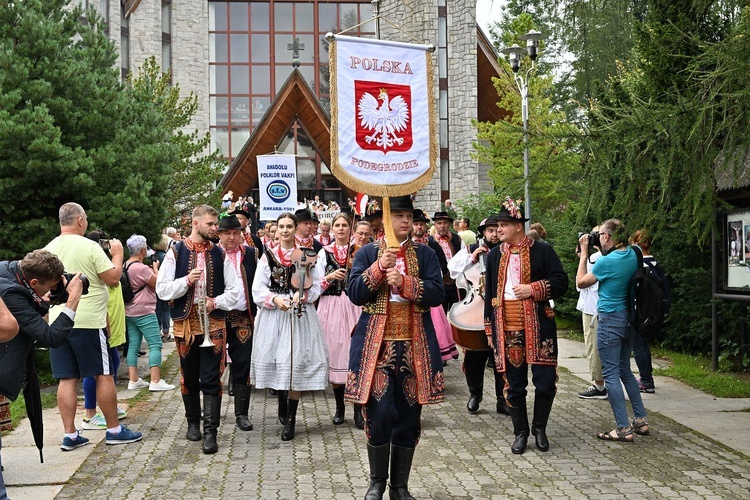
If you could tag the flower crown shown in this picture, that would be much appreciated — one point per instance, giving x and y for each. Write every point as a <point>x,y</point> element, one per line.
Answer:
<point>513,207</point>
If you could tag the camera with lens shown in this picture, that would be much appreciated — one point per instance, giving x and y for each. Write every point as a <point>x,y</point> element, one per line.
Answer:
<point>105,243</point>
<point>60,294</point>
<point>593,241</point>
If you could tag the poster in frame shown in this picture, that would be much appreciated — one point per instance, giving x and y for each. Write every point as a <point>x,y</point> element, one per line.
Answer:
<point>736,246</point>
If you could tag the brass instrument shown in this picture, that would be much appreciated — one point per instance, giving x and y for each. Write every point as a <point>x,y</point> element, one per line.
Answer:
<point>202,301</point>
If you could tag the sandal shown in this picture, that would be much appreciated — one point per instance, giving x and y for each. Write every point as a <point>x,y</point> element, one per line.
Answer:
<point>641,427</point>
<point>623,434</point>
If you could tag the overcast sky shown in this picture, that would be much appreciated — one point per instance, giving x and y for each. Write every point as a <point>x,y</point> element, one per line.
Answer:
<point>488,11</point>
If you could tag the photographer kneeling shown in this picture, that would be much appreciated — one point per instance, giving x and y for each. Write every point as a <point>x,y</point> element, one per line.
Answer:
<point>25,287</point>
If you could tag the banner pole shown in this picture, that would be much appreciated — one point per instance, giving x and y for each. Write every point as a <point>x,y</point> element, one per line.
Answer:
<point>376,17</point>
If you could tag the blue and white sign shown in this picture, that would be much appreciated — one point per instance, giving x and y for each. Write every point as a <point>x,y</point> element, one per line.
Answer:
<point>277,182</point>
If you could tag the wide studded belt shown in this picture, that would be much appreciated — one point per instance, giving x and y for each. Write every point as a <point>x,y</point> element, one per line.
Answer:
<point>398,322</point>
<point>513,315</point>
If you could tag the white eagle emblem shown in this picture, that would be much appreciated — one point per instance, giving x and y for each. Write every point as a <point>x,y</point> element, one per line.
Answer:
<point>385,119</point>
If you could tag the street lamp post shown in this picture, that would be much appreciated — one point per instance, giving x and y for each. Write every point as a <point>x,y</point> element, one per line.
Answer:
<point>515,53</point>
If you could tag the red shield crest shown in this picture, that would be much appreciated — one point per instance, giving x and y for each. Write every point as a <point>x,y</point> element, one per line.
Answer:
<point>383,116</point>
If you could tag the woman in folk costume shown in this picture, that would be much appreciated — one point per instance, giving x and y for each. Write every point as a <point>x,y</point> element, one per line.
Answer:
<point>289,351</point>
<point>394,364</point>
<point>337,313</point>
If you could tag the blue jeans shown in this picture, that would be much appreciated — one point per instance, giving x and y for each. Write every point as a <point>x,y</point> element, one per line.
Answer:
<point>614,338</point>
<point>642,355</point>
<point>162,315</point>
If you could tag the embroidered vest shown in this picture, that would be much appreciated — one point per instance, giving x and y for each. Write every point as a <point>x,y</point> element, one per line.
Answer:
<point>281,276</point>
<point>335,287</point>
<point>185,262</point>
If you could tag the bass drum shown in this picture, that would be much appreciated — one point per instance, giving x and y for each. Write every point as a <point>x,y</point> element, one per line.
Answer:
<point>464,323</point>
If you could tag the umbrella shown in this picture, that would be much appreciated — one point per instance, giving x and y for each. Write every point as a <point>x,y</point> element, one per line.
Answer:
<point>33,400</point>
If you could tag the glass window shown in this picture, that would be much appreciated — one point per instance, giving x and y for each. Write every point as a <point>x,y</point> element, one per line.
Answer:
<point>217,16</point>
<point>282,16</point>
<point>259,17</point>
<point>239,138</point>
<point>283,54</point>
<point>239,49</point>
<point>282,73</point>
<point>304,144</point>
<point>327,18</point>
<point>306,176</point>
<point>303,17</point>
<point>240,77</point>
<point>166,56</point>
<point>240,111</point>
<point>308,53</point>
<point>348,15</point>
<point>219,110</point>
<point>220,140</point>
<point>217,47</point>
<point>125,52</point>
<point>218,79</point>
<point>323,51</point>
<point>308,73</point>
<point>365,13</point>
<point>261,79</point>
<point>166,17</point>
<point>260,106</point>
<point>287,144</point>
<point>238,16</point>
<point>260,48</point>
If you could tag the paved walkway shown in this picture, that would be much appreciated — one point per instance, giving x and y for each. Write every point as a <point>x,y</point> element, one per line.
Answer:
<point>460,456</point>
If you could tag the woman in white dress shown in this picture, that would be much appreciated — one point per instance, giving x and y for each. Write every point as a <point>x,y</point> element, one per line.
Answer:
<point>289,348</point>
<point>337,313</point>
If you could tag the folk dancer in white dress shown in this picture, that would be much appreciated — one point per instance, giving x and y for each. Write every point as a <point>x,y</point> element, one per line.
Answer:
<point>289,351</point>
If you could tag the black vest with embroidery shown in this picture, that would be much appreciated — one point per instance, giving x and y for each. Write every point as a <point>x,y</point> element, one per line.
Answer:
<point>185,262</point>
<point>335,287</point>
<point>281,276</point>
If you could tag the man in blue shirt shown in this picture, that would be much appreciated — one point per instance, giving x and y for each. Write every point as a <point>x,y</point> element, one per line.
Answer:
<point>614,271</point>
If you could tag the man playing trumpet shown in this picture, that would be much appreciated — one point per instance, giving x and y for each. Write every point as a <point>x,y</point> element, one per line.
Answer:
<point>200,285</point>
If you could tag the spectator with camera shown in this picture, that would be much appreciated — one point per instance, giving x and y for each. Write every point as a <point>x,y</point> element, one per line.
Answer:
<point>85,352</point>
<point>614,271</point>
<point>587,300</point>
<point>24,291</point>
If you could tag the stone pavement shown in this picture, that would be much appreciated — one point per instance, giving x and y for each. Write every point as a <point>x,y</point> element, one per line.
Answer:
<point>460,456</point>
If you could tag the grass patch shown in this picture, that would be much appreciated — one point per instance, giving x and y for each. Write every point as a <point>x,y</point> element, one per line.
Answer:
<point>18,407</point>
<point>696,372</point>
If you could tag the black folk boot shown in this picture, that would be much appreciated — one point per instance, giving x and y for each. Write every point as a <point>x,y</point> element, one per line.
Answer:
<point>192,404</point>
<point>501,407</point>
<point>242,406</point>
<point>401,459</point>
<point>291,419</point>
<point>542,409</point>
<point>475,383</point>
<point>359,419</point>
<point>211,415</point>
<point>338,417</point>
<point>378,457</point>
<point>520,428</point>
<point>281,395</point>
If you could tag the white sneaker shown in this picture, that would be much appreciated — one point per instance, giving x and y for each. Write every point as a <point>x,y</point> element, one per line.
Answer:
<point>140,384</point>
<point>161,385</point>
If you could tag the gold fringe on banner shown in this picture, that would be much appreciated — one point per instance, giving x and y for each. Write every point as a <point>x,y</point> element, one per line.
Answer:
<point>369,188</point>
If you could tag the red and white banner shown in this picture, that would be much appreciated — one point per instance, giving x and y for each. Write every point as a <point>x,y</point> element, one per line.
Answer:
<point>382,136</point>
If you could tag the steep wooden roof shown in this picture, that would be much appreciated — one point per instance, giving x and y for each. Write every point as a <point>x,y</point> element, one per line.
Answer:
<point>295,101</point>
<point>487,68</point>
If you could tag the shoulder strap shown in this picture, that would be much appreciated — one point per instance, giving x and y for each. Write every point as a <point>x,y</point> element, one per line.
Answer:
<point>137,291</point>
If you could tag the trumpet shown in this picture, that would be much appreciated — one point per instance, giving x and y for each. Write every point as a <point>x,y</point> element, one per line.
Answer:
<point>204,313</point>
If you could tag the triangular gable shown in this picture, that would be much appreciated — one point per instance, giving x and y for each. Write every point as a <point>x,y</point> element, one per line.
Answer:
<point>295,101</point>
<point>487,69</point>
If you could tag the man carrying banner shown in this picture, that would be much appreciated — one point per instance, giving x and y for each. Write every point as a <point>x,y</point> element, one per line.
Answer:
<point>395,364</point>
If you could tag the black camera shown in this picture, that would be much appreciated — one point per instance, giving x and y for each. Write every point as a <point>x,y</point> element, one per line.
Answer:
<point>593,241</point>
<point>60,295</point>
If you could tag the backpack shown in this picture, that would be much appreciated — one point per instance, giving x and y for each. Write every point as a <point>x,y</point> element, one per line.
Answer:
<point>648,298</point>
<point>128,295</point>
